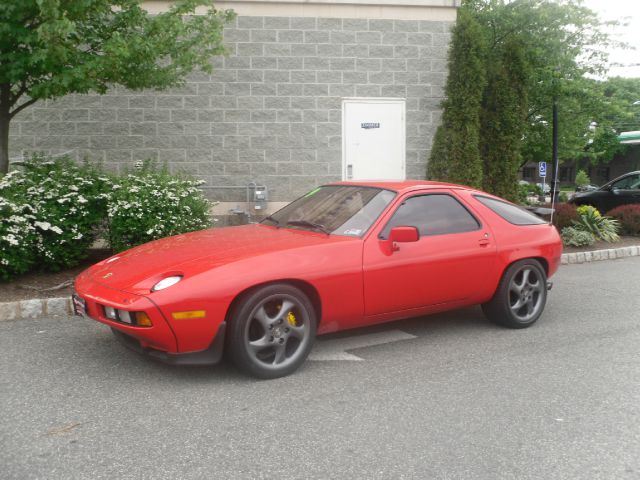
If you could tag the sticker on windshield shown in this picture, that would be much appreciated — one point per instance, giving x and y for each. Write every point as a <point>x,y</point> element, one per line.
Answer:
<point>312,192</point>
<point>353,231</point>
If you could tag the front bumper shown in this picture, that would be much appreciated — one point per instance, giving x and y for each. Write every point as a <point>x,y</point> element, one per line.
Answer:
<point>210,356</point>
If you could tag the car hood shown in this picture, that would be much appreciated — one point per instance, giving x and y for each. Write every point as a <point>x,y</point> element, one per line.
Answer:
<point>139,269</point>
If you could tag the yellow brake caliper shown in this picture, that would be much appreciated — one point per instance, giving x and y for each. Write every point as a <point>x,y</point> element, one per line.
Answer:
<point>291,318</point>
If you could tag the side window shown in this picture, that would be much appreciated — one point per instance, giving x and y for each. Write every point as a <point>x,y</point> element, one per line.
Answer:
<point>630,183</point>
<point>435,214</point>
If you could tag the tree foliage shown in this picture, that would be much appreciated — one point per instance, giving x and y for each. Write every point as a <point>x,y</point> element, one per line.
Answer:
<point>456,150</point>
<point>504,112</point>
<point>535,50</point>
<point>50,48</point>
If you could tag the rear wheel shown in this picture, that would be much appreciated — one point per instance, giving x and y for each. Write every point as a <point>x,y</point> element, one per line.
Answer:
<point>520,297</point>
<point>271,331</point>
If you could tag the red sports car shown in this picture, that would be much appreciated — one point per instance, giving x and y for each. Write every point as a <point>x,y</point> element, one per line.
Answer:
<point>344,255</point>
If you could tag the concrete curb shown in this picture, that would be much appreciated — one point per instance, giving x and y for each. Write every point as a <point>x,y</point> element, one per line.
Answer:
<point>35,308</point>
<point>597,255</point>
<point>61,306</point>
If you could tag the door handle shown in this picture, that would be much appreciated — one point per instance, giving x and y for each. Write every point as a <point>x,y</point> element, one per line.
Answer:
<point>483,242</point>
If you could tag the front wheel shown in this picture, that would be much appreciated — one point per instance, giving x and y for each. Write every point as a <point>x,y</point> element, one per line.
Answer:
<point>520,297</point>
<point>271,331</point>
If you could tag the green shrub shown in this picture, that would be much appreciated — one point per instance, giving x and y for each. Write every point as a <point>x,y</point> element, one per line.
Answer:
<point>564,215</point>
<point>601,227</point>
<point>629,218</point>
<point>66,205</point>
<point>582,178</point>
<point>577,238</point>
<point>17,237</point>
<point>149,205</point>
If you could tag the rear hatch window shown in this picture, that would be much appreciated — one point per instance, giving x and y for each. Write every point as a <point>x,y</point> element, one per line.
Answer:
<point>510,212</point>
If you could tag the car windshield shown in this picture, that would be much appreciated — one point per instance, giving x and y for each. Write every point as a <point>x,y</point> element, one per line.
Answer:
<point>348,210</point>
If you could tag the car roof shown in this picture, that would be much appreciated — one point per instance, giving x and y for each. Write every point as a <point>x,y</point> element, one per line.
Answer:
<point>402,185</point>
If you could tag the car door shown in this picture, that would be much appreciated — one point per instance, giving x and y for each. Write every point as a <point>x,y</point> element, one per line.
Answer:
<point>450,262</point>
<point>624,191</point>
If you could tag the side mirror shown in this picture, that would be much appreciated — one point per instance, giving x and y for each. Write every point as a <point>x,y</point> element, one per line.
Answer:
<point>404,234</point>
<point>399,235</point>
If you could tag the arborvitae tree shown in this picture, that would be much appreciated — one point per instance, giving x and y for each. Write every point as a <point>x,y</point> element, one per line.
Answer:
<point>503,119</point>
<point>455,156</point>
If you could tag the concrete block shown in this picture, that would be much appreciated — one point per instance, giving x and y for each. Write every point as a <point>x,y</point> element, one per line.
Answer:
<point>329,24</point>
<point>237,89</point>
<point>58,306</point>
<point>303,76</point>
<point>156,115</point>
<point>250,22</point>
<point>328,50</point>
<point>368,38</point>
<point>8,311</point>
<point>281,23</point>
<point>588,257</point>
<point>316,63</point>
<point>571,257</point>
<point>355,24</point>
<point>238,63</point>
<point>368,64</point>
<point>343,38</point>
<point>369,91</point>
<point>290,63</point>
<point>394,38</point>
<point>564,260</point>
<point>301,23</point>
<point>31,308</point>
<point>315,90</point>
<point>291,36</point>
<point>317,36</point>
<point>264,36</point>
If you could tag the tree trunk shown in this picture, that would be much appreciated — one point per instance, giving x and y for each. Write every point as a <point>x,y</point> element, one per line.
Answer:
<point>4,143</point>
<point>5,118</point>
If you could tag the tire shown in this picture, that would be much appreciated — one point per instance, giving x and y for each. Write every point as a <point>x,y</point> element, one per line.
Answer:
<point>521,295</point>
<point>271,331</point>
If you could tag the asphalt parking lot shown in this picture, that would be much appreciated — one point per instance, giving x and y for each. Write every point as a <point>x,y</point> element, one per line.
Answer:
<point>449,396</point>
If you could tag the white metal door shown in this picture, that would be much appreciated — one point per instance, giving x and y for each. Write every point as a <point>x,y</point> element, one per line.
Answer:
<point>373,139</point>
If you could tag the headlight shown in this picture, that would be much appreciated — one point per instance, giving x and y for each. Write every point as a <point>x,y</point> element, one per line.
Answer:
<point>166,283</point>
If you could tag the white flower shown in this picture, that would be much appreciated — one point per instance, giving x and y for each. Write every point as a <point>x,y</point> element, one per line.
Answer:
<point>150,231</point>
<point>43,225</point>
<point>56,230</point>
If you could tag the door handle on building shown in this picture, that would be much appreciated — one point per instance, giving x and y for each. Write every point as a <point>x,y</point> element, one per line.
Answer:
<point>349,172</point>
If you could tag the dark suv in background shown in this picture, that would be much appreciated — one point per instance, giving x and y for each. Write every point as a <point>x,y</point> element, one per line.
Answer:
<point>620,191</point>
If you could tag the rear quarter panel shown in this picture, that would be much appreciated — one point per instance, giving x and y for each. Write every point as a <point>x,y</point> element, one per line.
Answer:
<point>518,242</point>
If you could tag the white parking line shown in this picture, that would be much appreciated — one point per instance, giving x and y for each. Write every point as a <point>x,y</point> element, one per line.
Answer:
<point>335,350</point>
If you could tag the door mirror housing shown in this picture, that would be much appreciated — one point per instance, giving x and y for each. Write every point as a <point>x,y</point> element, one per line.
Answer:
<point>404,234</point>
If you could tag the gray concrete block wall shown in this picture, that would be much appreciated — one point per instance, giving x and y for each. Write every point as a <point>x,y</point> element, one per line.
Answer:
<point>270,112</point>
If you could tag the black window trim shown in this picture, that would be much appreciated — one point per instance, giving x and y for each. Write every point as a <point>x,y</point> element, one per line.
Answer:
<point>424,194</point>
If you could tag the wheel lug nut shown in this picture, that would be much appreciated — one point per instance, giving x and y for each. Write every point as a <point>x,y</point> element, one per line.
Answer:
<point>271,339</point>
<point>282,340</point>
<point>286,330</point>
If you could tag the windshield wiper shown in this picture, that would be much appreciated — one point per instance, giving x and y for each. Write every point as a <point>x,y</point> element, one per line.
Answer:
<point>270,218</point>
<point>305,223</point>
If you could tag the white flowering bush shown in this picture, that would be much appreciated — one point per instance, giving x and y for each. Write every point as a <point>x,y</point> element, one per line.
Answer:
<point>149,205</point>
<point>17,238</point>
<point>54,209</point>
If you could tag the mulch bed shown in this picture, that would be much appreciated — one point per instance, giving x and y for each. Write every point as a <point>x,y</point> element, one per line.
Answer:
<point>36,284</point>
<point>42,284</point>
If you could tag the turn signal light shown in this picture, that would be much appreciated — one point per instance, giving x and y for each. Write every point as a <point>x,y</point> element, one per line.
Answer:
<point>143,320</point>
<point>190,314</point>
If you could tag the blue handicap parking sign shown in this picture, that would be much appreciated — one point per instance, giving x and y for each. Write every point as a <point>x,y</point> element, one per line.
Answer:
<point>542,169</point>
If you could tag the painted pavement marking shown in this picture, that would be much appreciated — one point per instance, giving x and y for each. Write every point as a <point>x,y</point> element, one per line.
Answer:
<point>335,350</point>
